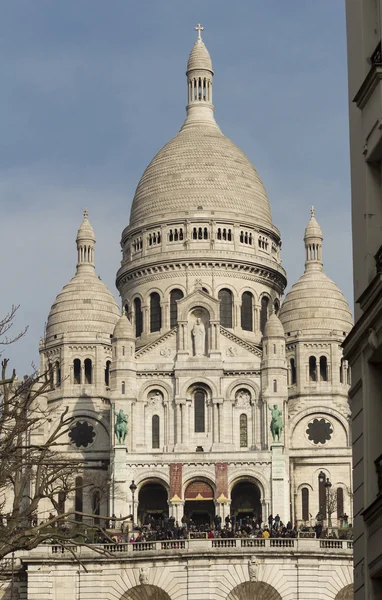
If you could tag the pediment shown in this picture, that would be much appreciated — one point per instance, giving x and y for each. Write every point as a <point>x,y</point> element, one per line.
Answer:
<point>197,299</point>
<point>163,349</point>
<point>234,346</point>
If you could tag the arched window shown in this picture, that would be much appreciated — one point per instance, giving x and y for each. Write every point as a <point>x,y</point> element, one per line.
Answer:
<point>199,411</point>
<point>138,317</point>
<point>263,313</point>
<point>126,308</point>
<point>276,306</point>
<point>243,430</point>
<point>123,388</point>
<point>312,368</point>
<point>57,368</point>
<point>78,498</point>
<point>96,506</point>
<point>275,385</point>
<point>107,373</point>
<point>323,368</point>
<point>247,311</point>
<point>225,297</point>
<point>77,371</point>
<point>175,295</point>
<point>322,494</point>
<point>340,502</point>
<point>61,502</point>
<point>155,431</point>
<point>293,371</point>
<point>342,371</point>
<point>88,371</point>
<point>155,312</point>
<point>305,504</point>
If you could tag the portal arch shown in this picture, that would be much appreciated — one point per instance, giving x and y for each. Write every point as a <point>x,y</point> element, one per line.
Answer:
<point>145,592</point>
<point>347,593</point>
<point>249,590</point>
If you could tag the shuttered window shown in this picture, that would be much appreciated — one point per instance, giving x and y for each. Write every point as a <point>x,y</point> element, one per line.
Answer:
<point>225,297</point>
<point>305,504</point>
<point>247,311</point>
<point>174,297</point>
<point>155,431</point>
<point>199,411</point>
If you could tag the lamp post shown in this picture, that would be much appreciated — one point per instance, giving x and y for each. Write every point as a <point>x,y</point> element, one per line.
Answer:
<point>133,488</point>
<point>328,485</point>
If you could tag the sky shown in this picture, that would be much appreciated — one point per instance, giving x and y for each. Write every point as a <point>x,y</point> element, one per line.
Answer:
<point>92,89</point>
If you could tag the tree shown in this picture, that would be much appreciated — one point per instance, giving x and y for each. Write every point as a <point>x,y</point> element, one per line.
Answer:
<point>34,472</point>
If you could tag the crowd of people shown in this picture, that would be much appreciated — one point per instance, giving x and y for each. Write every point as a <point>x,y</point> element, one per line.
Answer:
<point>232,527</point>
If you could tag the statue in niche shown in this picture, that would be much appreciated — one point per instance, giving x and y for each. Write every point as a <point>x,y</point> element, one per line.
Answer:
<point>243,398</point>
<point>253,566</point>
<point>120,427</point>
<point>199,337</point>
<point>155,398</point>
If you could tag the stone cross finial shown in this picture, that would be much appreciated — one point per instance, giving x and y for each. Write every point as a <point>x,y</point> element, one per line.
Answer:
<point>312,211</point>
<point>86,213</point>
<point>199,29</point>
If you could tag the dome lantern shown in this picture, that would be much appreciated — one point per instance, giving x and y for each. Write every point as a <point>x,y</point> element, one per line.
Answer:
<point>199,82</point>
<point>85,245</point>
<point>313,244</point>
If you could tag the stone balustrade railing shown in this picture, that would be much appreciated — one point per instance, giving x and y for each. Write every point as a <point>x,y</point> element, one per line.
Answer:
<point>250,545</point>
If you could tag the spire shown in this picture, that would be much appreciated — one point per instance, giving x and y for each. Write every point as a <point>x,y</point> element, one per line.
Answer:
<point>199,81</point>
<point>313,244</point>
<point>85,246</point>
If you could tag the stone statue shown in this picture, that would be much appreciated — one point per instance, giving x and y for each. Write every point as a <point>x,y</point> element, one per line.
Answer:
<point>120,427</point>
<point>143,576</point>
<point>199,335</point>
<point>253,567</point>
<point>277,424</point>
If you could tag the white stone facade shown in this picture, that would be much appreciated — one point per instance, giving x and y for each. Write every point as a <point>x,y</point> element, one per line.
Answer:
<point>200,355</point>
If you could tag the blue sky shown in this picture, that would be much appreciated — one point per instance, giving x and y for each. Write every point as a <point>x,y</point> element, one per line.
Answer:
<point>92,89</point>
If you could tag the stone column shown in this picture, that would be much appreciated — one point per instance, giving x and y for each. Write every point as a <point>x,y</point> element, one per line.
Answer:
<point>165,316</point>
<point>146,319</point>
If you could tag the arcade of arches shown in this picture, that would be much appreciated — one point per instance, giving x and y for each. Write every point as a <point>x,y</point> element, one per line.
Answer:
<point>199,502</point>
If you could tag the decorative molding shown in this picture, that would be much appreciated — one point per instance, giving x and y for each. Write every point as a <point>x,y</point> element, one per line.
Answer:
<point>247,345</point>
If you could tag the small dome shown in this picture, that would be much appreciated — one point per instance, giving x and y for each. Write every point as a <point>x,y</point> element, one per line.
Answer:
<point>315,305</point>
<point>85,231</point>
<point>123,328</point>
<point>273,327</point>
<point>84,307</point>
<point>313,230</point>
<point>199,57</point>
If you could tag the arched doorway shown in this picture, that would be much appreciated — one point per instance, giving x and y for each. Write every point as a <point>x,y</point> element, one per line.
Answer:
<point>245,501</point>
<point>152,503</point>
<point>145,592</point>
<point>199,503</point>
<point>347,593</point>
<point>254,589</point>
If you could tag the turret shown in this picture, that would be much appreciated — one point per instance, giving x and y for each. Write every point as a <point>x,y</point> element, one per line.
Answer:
<point>274,366</point>
<point>123,364</point>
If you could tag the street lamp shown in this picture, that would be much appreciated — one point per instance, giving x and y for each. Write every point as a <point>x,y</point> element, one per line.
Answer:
<point>133,489</point>
<point>328,485</point>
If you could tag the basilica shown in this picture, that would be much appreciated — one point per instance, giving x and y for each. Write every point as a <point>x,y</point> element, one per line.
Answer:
<point>205,393</point>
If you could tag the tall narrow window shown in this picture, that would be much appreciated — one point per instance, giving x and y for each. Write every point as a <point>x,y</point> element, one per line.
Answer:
<point>57,368</point>
<point>155,431</point>
<point>276,306</point>
<point>342,371</point>
<point>77,371</point>
<point>107,373</point>
<point>322,494</point>
<point>123,388</point>
<point>78,498</point>
<point>247,311</point>
<point>340,502</point>
<point>275,385</point>
<point>263,313</point>
<point>243,430</point>
<point>312,368</point>
<point>323,368</point>
<point>305,504</point>
<point>61,502</point>
<point>175,295</point>
<point>225,297</point>
<point>138,317</point>
<point>88,371</point>
<point>126,308</point>
<point>199,411</point>
<point>155,312</point>
<point>293,371</point>
<point>96,506</point>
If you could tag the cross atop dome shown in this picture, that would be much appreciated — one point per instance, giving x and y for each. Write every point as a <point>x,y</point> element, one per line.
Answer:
<point>86,213</point>
<point>199,28</point>
<point>312,211</point>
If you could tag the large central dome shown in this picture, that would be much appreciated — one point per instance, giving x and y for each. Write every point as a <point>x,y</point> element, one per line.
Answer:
<point>200,167</point>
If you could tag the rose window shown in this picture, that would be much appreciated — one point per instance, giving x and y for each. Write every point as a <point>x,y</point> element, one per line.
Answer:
<point>82,434</point>
<point>319,431</point>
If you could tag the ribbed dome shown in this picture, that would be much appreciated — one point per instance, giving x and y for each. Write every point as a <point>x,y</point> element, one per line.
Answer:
<point>123,328</point>
<point>201,167</point>
<point>199,57</point>
<point>273,327</point>
<point>84,306</point>
<point>315,304</point>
